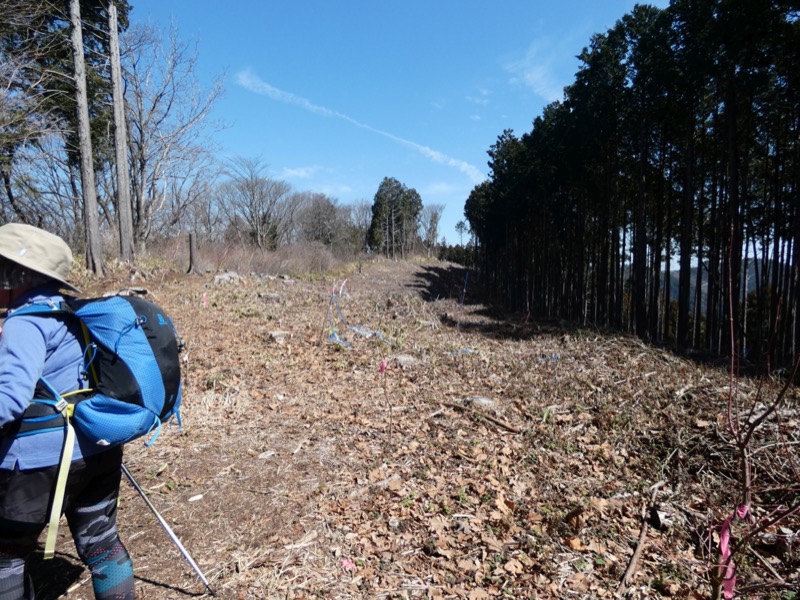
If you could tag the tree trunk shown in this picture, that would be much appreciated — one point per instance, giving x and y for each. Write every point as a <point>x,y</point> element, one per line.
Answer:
<point>639,266</point>
<point>94,254</point>
<point>124,217</point>
<point>6,173</point>
<point>194,267</point>
<point>687,228</point>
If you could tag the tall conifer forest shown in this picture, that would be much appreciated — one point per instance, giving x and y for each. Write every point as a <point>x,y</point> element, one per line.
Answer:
<point>660,195</point>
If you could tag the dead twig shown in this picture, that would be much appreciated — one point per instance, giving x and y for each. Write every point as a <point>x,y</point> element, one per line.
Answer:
<point>491,419</point>
<point>623,585</point>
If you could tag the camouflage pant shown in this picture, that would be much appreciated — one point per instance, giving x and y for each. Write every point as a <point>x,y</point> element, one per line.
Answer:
<point>91,509</point>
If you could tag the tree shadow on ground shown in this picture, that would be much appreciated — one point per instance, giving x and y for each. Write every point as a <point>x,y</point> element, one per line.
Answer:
<point>460,284</point>
<point>455,282</point>
<point>446,282</point>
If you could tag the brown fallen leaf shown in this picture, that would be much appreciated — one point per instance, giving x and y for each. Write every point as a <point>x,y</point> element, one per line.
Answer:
<point>438,524</point>
<point>513,566</point>
<point>575,544</point>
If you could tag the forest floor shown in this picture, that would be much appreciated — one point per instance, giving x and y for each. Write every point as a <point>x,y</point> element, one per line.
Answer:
<point>429,449</point>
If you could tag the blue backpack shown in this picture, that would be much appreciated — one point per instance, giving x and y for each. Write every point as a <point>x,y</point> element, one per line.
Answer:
<point>132,365</point>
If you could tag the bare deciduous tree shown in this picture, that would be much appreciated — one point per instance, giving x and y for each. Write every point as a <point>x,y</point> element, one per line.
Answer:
<point>322,219</point>
<point>318,219</point>
<point>251,196</point>
<point>429,225</point>
<point>187,194</point>
<point>204,216</point>
<point>286,217</point>
<point>47,190</point>
<point>26,94</point>
<point>361,217</point>
<point>166,111</point>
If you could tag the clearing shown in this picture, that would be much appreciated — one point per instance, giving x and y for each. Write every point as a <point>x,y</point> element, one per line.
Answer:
<point>427,450</point>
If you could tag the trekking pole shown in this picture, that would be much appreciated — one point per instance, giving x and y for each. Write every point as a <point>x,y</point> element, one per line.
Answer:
<point>168,529</point>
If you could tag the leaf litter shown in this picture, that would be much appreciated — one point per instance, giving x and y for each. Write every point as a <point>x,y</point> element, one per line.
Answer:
<point>447,454</point>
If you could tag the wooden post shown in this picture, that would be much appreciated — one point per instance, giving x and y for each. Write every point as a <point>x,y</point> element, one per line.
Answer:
<point>194,269</point>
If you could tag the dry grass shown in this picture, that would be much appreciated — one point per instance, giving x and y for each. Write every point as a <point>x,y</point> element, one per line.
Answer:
<point>493,459</point>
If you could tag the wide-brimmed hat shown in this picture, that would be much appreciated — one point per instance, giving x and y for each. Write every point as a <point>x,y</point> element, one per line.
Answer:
<point>37,250</point>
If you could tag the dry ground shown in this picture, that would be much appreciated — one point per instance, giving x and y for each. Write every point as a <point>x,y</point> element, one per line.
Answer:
<point>490,459</point>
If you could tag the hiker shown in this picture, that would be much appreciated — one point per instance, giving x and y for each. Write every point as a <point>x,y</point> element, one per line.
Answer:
<point>34,266</point>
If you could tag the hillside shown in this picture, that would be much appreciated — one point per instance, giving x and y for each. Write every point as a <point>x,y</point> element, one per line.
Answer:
<point>490,459</point>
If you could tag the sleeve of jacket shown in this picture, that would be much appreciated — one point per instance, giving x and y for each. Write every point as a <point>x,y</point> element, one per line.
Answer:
<point>22,354</point>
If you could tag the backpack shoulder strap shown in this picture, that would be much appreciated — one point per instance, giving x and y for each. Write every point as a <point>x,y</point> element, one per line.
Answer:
<point>42,308</point>
<point>60,309</point>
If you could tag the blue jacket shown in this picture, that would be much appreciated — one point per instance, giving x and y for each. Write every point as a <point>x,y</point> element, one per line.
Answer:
<point>32,346</point>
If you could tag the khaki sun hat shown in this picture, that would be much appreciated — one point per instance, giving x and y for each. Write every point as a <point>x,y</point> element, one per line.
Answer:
<point>37,250</point>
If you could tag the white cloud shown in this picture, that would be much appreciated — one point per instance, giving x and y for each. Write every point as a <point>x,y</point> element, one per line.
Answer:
<point>314,175</point>
<point>249,81</point>
<point>481,99</point>
<point>442,188</point>
<point>438,157</point>
<point>541,66</point>
<point>333,190</point>
<point>300,172</point>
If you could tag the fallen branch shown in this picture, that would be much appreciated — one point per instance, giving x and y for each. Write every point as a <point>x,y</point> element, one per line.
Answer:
<point>768,567</point>
<point>491,419</point>
<point>623,585</point>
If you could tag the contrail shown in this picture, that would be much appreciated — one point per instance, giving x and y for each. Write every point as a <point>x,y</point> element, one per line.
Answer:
<point>248,80</point>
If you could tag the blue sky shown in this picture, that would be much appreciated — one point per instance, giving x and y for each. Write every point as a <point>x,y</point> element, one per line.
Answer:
<point>335,96</point>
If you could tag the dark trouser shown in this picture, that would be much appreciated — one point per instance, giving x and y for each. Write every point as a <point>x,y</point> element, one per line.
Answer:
<point>90,504</point>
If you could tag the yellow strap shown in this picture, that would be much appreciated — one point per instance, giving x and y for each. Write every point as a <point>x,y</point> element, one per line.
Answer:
<point>71,407</point>
<point>61,486</point>
<point>76,392</point>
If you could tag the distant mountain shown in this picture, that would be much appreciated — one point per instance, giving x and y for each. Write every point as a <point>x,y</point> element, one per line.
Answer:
<point>751,279</point>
